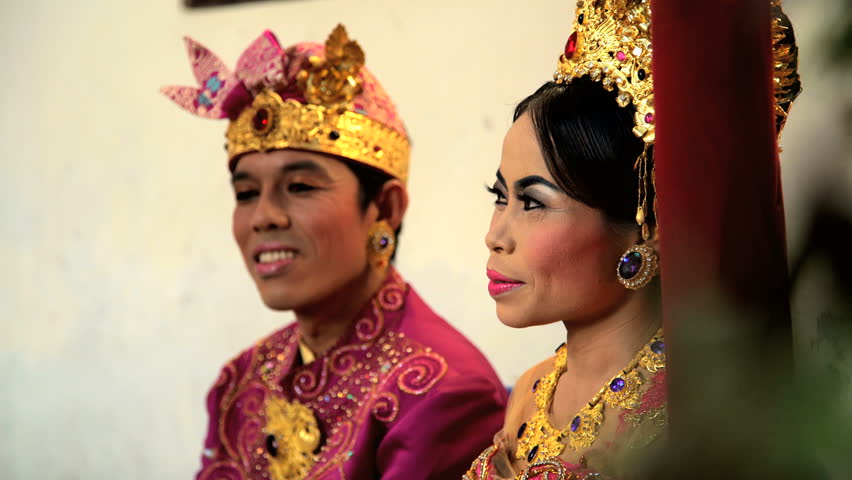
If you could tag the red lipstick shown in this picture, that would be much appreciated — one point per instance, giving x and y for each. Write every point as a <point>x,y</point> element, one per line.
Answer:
<point>500,284</point>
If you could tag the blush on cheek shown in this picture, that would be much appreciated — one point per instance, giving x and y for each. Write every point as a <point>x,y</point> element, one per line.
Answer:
<point>567,255</point>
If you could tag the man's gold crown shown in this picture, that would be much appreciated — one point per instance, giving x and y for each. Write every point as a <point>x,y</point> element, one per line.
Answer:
<point>324,123</point>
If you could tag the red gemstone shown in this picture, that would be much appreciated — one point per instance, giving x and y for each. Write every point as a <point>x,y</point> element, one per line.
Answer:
<point>649,118</point>
<point>261,119</point>
<point>571,46</point>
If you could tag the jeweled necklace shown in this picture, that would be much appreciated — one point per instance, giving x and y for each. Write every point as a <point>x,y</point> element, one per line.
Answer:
<point>538,438</point>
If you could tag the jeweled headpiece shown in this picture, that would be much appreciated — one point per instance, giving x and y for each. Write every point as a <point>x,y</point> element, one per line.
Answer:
<point>785,57</point>
<point>612,44</point>
<point>305,97</point>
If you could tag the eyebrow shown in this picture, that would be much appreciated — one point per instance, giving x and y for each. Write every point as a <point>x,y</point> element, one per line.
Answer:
<point>501,179</point>
<point>534,180</point>
<point>305,165</point>
<point>301,165</point>
<point>237,176</point>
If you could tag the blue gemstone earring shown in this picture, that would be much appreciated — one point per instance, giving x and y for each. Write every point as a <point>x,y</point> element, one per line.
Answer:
<point>639,264</point>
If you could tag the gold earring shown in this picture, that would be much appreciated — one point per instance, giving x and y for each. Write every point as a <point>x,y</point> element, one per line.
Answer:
<point>640,263</point>
<point>381,243</point>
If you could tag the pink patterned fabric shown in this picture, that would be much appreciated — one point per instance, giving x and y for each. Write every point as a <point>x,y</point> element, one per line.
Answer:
<point>265,64</point>
<point>549,469</point>
<point>402,396</point>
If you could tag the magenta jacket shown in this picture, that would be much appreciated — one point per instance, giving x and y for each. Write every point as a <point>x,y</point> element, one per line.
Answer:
<point>402,395</point>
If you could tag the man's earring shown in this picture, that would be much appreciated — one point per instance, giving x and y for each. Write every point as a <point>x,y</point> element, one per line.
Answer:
<point>381,243</point>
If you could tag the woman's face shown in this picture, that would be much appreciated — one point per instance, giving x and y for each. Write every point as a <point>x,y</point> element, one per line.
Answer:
<point>552,257</point>
<point>299,226</point>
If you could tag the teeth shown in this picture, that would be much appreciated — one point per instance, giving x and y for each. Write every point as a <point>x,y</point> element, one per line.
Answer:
<point>276,255</point>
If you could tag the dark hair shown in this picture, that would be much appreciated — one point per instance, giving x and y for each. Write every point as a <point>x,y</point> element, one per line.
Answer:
<point>370,181</point>
<point>588,145</point>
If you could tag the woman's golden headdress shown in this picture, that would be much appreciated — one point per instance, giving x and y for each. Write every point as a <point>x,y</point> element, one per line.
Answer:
<point>612,44</point>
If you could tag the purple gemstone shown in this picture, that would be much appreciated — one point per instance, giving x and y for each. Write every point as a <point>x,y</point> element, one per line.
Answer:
<point>531,456</point>
<point>272,445</point>
<point>630,265</point>
<point>657,347</point>
<point>535,385</point>
<point>575,424</point>
<point>384,241</point>
<point>649,118</point>
<point>261,119</point>
<point>617,385</point>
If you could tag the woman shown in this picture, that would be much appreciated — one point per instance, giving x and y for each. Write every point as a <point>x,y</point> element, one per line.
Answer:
<point>573,240</point>
<point>368,378</point>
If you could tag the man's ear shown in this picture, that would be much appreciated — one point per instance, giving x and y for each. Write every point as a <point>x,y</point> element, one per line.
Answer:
<point>392,202</point>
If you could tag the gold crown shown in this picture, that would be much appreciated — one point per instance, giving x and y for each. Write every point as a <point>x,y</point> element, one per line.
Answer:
<point>324,124</point>
<point>611,43</point>
<point>785,56</point>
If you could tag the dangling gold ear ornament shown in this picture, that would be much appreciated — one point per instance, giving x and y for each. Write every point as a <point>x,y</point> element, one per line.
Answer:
<point>639,264</point>
<point>381,243</point>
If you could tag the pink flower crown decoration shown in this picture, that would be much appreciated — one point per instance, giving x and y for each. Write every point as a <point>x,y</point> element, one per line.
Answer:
<point>305,97</point>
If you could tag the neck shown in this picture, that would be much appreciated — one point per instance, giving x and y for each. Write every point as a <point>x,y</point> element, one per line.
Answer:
<point>597,350</point>
<point>324,322</point>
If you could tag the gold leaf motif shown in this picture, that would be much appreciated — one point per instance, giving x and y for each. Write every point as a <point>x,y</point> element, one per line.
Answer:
<point>294,434</point>
<point>333,81</point>
<point>541,440</point>
<point>629,395</point>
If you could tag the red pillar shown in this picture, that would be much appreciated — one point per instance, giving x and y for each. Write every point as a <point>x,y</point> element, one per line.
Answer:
<point>718,179</point>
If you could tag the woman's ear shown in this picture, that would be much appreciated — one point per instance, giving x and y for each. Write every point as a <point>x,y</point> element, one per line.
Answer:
<point>392,202</point>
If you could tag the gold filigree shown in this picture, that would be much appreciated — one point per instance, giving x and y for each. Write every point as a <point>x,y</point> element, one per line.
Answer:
<point>479,468</point>
<point>540,439</point>
<point>785,56</point>
<point>653,355</point>
<point>646,426</point>
<point>292,438</point>
<point>549,469</point>
<point>333,81</point>
<point>272,123</point>
<point>590,420</point>
<point>611,43</point>
<point>624,390</point>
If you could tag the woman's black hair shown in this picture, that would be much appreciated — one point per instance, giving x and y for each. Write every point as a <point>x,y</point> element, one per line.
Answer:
<point>370,181</point>
<point>588,145</point>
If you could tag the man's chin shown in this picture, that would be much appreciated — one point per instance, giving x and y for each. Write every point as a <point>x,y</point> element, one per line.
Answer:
<point>278,302</point>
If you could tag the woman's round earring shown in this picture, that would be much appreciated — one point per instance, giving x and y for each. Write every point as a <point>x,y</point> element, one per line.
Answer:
<point>638,266</point>
<point>381,243</point>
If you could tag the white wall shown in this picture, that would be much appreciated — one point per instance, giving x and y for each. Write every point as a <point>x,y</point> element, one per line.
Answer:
<point>122,291</point>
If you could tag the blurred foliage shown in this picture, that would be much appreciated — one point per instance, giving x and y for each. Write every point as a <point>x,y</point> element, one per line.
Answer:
<point>743,410</point>
<point>840,35</point>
